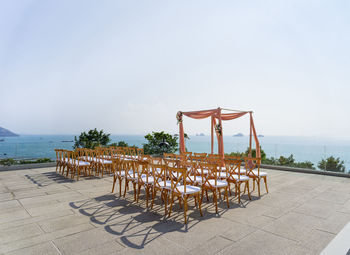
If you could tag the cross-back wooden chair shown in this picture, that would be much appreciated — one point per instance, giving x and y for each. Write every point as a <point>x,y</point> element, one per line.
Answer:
<point>131,175</point>
<point>256,175</point>
<point>119,173</point>
<point>213,182</point>
<point>200,154</point>
<point>181,190</point>
<point>145,179</point>
<point>161,183</point>
<point>234,176</point>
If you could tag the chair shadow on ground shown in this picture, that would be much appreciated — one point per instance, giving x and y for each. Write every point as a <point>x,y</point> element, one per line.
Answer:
<point>47,178</point>
<point>137,225</point>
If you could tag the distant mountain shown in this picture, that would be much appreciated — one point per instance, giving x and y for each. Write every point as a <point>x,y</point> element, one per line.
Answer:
<point>260,135</point>
<point>201,134</point>
<point>238,135</point>
<point>6,133</point>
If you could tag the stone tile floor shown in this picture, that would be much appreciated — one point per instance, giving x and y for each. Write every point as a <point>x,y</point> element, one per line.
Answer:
<point>42,212</point>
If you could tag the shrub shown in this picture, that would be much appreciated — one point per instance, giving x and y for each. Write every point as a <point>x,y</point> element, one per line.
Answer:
<point>332,164</point>
<point>155,140</point>
<point>91,139</point>
<point>7,162</point>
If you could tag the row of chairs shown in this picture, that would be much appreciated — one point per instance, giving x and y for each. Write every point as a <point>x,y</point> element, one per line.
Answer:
<point>185,176</point>
<point>98,161</point>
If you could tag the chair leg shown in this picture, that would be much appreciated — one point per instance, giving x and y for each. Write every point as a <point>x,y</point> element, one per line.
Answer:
<point>147,194</point>
<point>153,196</point>
<point>185,208</point>
<point>265,180</point>
<point>206,193</point>
<point>216,201</point>
<point>126,184</point>
<point>114,180</point>
<point>120,186</point>
<point>166,202</point>
<point>171,204</point>
<point>258,183</point>
<point>200,204</point>
<point>247,185</point>
<point>226,193</point>
<point>239,192</point>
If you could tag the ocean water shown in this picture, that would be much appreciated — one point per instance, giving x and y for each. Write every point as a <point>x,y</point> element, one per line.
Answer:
<point>303,148</point>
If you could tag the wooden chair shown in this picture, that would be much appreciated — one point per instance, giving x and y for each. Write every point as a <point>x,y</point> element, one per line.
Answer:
<point>161,183</point>
<point>184,191</point>
<point>234,176</point>
<point>200,154</point>
<point>59,159</point>
<point>131,175</point>
<point>212,182</point>
<point>145,179</point>
<point>256,175</point>
<point>119,173</point>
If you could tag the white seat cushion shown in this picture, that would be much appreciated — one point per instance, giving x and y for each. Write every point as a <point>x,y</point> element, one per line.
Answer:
<point>222,175</point>
<point>82,163</point>
<point>193,178</point>
<point>260,173</point>
<point>241,177</point>
<point>150,179</point>
<point>166,184</point>
<point>219,183</point>
<point>189,189</point>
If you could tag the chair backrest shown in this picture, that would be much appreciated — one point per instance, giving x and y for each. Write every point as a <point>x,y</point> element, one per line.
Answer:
<point>143,170</point>
<point>200,154</point>
<point>159,173</point>
<point>187,154</point>
<point>251,164</point>
<point>139,153</point>
<point>233,168</point>
<point>212,173</point>
<point>177,176</point>
<point>59,157</point>
<point>232,158</point>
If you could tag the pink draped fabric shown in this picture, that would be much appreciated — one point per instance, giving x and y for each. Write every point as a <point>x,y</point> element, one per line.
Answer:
<point>216,114</point>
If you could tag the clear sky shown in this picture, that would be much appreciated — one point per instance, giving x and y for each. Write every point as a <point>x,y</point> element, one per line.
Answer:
<point>128,66</point>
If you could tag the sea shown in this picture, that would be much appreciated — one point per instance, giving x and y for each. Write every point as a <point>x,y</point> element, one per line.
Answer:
<point>312,149</point>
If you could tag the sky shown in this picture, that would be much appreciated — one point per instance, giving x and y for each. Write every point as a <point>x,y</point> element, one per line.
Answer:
<point>127,67</point>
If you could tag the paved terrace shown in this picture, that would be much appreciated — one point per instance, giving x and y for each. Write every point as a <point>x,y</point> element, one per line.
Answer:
<point>44,213</point>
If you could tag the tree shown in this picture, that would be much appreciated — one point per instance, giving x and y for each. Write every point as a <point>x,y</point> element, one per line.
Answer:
<point>121,144</point>
<point>91,139</point>
<point>262,153</point>
<point>160,142</point>
<point>331,164</point>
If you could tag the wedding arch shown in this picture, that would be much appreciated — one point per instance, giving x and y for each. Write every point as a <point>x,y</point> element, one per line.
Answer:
<point>217,116</point>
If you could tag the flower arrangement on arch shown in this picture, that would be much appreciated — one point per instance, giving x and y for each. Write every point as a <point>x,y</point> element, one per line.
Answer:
<point>218,129</point>
<point>179,117</point>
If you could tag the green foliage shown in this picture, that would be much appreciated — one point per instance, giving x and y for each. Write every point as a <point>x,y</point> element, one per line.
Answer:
<point>332,164</point>
<point>288,161</point>
<point>120,144</point>
<point>281,161</point>
<point>262,152</point>
<point>155,139</point>
<point>11,161</point>
<point>40,160</point>
<point>7,162</point>
<point>236,154</point>
<point>91,139</point>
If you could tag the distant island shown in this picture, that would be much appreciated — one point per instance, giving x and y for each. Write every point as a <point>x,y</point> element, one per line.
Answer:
<point>238,135</point>
<point>260,135</point>
<point>201,134</point>
<point>6,133</point>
